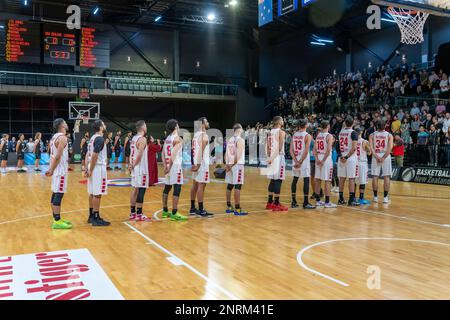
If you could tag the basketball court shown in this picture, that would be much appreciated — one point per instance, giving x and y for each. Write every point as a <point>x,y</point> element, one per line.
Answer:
<point>383,251</point>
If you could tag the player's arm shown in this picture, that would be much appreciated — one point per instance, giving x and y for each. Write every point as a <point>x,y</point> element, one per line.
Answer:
<point>282,140</point>
<point>372,150</point>
<point>36,145</point>
<point>366,147</point>
<point>240,150</point>
<point>390,147</point>
<point>2,144</point>
<point>83,141</point>
<point>315,152</point>
<point>205,142</point>
<point>291,151</point>
<point>330,141</point>
<point>307,146</point>
<point>140,145</point>
<point>354,138</point>
<point>62,143</point>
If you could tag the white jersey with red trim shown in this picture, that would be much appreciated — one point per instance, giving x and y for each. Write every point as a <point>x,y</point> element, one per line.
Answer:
<point>361,152</point>
<point>168,150</point>
<point>141,168</point>
<point>63,166</point>
<point>232,149</point>
<point>345,141</point>
<point>322,145</point>
<point>299,144</point>
<point>102,156</point>
<point>274,141</point>
<point>380,142</point>
<point>197,146</point>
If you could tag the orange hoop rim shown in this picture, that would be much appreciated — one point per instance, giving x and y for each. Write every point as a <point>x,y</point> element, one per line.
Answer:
<point>402,13</point>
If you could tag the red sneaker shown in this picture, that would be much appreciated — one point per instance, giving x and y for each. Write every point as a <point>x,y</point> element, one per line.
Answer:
<point>132,217</point>
<point>142,218</point>
<point>280,208</point>
<point>269,206</point>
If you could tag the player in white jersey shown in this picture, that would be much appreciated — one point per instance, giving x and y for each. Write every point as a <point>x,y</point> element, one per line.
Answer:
<point>200,167</point>
<point>362,170</point>
<point>276,164</point>
<point>348,140</point>
<point>381,143</point>
<point>324,164</point>
<point>301,165</point>
<point>234,166</point>
<point>58,169</point>
<point>172,155</point>
<point>138,168</point>
<point>96,161</point>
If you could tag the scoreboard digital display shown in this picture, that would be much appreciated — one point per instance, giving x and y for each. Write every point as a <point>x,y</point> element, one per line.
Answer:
<point>22,43</point>
<point>60,45</point>
<point>94,49</point>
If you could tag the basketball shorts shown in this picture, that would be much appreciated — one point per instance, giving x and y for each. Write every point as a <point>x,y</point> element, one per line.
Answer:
<point>117,152</point>
<point>140,181</point>
<point>304,171</point>
<point>20,156</point>
<point>38,156</point>
<point>202,175</point>
<point>347,169</point>
<point>127,153</point>
<point>175,175</point>
<point>59,183</point>
<point>382,169</point>
<point>98,182</point>
<point>362,173</point>
<point>236,175</point>
<point>325,172</point>
<point>277,169</point>
<point>83,155</point>
<point>4,156</point>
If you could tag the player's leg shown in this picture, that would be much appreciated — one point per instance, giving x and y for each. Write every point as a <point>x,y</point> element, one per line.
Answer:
<point>306,204</point>
<point>165,197</point>
<point>133,196</point>
<point>328,176</point>
<point>175,216</point>
<point>230,208</point>
<point>294,203</point>
<point>58,223</point>
<point>36,165</point>
<point>140,216</point>
<point>387,186</point>
<point>270,190</point>
<point>200,197</point>
<point>375,188</point>
<point>277,192</point>
<point>194,190</point>
<point>91,208</point>
<point>99,188</point>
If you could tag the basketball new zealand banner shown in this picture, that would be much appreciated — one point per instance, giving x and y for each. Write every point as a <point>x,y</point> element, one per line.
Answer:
<point>425,175</point>
<point>59,275</point>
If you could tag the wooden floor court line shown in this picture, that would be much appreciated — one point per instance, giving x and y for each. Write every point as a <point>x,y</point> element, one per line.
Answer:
<point>304,266</point>
<point>170,254</point>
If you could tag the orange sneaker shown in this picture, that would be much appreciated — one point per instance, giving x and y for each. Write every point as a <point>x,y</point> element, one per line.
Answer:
<point>280,208</point>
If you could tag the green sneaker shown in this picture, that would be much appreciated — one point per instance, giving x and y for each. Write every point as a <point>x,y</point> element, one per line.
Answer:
<point>61,224</point>
<point>166,214</point>
<point>68,222</point>
<point>178,217</point>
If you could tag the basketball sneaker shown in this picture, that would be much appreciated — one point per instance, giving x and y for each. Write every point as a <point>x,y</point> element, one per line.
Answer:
<point>386,200</point>
<point>308,206</point>
<point>330,205</point>
<point>230,210</point>
<point>99,222</point>
<point>204,214</point>
<point>320,204</point>
<point>61,224</point>
<point>354,203</point>
<point>375,199</point>
<point>165,214</point>
<point>335,189</point>
<point>90,219</point>
<point>142,218</point>
<point>132,217</point>
<point>342,202</point>
<point>36,169</point>
<point>280,208</point>
<point>178,217</point>
<point>294,204</point>
<point>269,206</point>
<point>240,212</point>
<point>193,212</point>
<point>363,202</point>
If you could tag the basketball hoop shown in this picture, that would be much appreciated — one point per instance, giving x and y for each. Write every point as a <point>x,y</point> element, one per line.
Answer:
<point>411,24</point>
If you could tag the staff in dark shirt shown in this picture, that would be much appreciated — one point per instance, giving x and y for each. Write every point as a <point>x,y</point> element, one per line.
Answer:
<point>21,148</point>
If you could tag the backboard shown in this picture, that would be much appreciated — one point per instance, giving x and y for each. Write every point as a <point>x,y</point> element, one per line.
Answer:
<point>434,7</point>
<point>84,110</point>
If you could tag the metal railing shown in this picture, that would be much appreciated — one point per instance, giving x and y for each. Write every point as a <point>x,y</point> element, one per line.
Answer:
<point>114,83</point>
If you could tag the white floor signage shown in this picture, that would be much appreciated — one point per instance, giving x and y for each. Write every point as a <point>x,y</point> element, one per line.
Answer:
<point>59,275</point>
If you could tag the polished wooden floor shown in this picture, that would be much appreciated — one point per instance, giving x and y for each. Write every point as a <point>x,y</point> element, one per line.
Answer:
<point>322,254</point>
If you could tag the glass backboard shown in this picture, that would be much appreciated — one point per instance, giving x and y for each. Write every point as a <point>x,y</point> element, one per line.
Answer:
<point>434,7</point>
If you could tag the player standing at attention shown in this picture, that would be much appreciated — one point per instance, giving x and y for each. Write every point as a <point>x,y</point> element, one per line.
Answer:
<point>117,150</point>
<point>21,148</point>
<point>200,167</point>
<point>234,167</point>
<point>96,173</point>
<point>276,164</point>
<point>83,147</point>
<point>126,146</point>
<point>59,167</point>
<point>381,143</point>
<point>4,152</point>
<point>348,161</point>
<point>362,170</point>
<point>139,172</point>
<point>300,146</point>
<point>109,149</point>
<point>172,160</point>
<point>37,151</point>
<point>324,164</point>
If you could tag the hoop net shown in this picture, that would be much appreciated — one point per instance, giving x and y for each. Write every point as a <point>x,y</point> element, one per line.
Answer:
<point>85,119</point>
<point>411,24</point>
